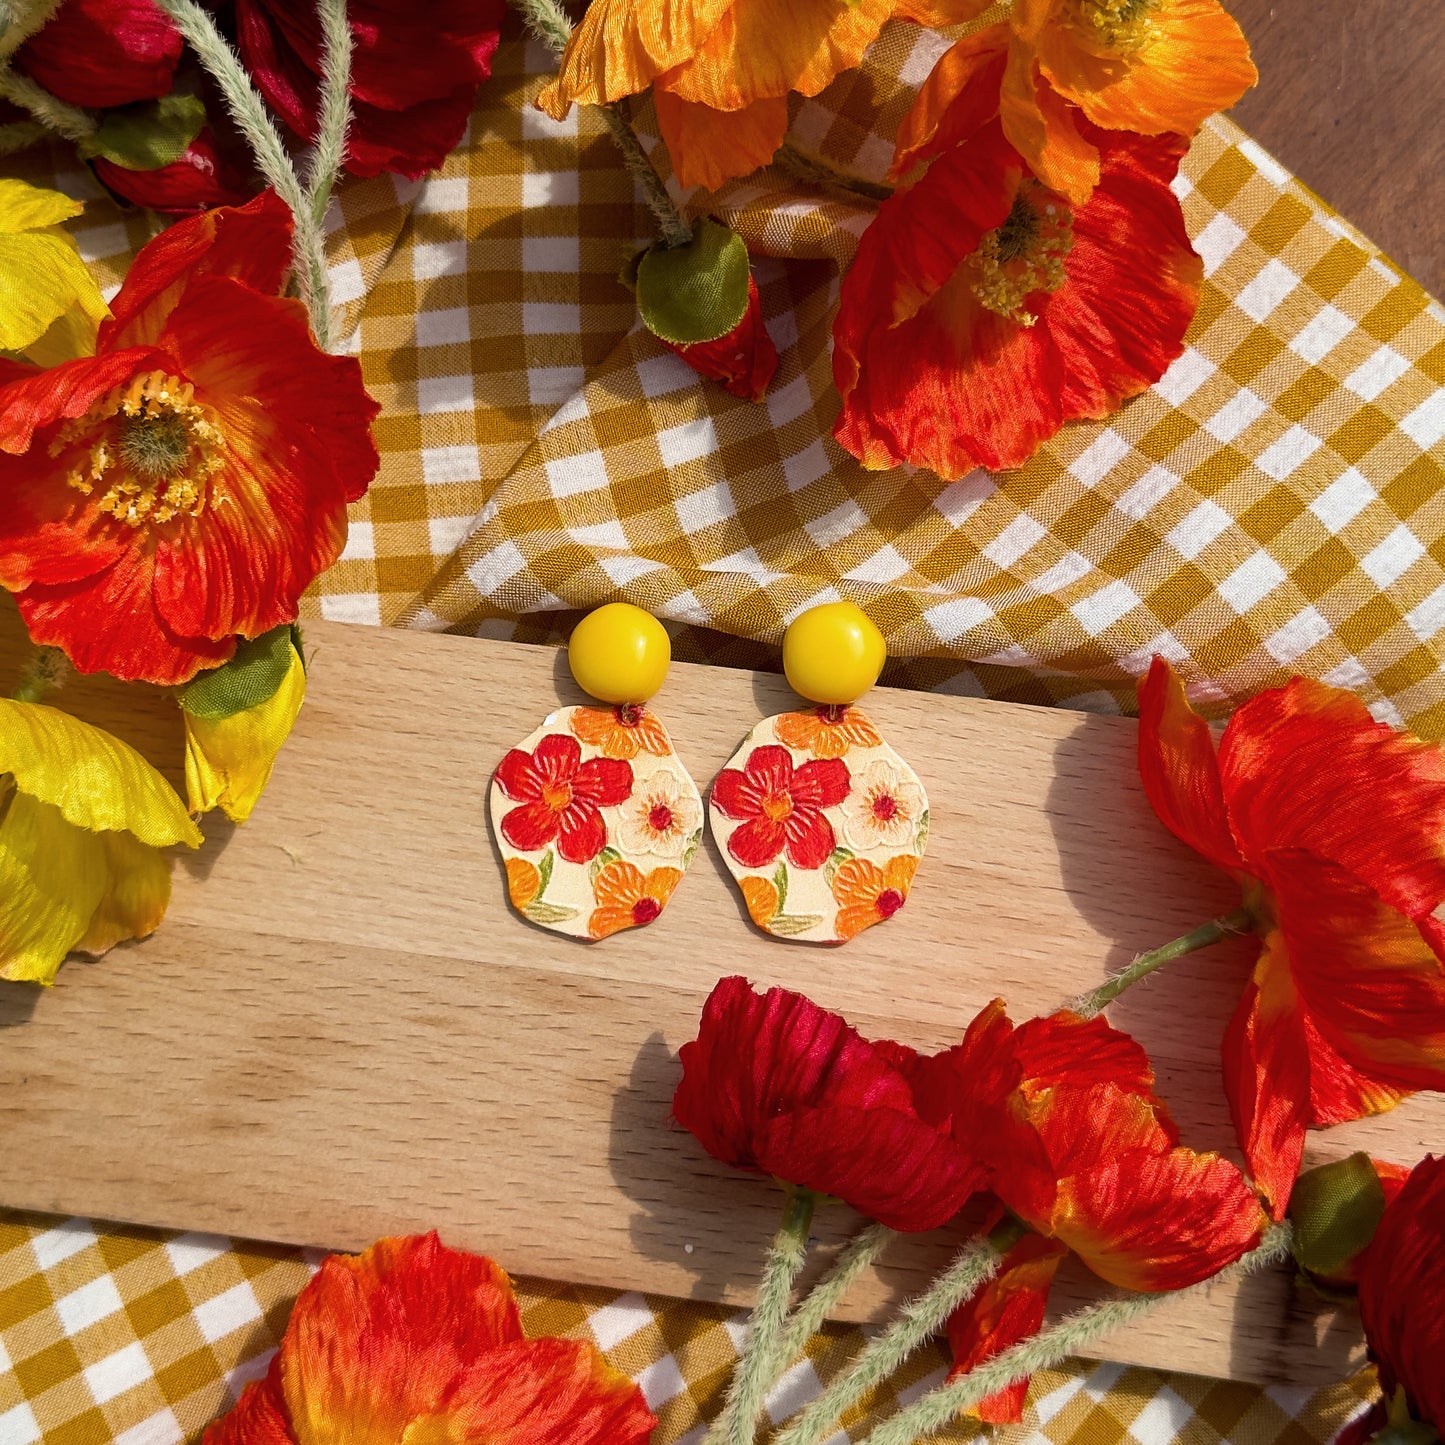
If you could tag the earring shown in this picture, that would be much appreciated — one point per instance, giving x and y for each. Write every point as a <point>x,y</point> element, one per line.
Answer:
<point>820,821</point>
<point>596,817</point>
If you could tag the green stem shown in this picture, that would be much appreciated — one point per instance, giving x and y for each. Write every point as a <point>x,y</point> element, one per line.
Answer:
<point>818,172</point>
<point>246,106</point>
<point>1071,1336</point>
<point>17,135</point>
<point>54,114</point>
<point>19,20</point>
<point>550,24</point>
<point>976,1263</point>
<point>47,670</point>
<point>824,1297</point>
<point>753,1375</point>
<point>1226,926</point>
<point>329,154</point>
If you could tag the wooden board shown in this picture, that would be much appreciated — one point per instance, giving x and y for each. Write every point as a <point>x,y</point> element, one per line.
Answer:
<point>341,1031</point>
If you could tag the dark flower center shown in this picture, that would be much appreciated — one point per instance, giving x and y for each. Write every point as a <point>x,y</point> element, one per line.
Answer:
<point>629,714</point>
<point>155,446</point>
<point>885,807</point>
<point>889,902</point>
<point>645,910</point>
<point>659,818</point>
<point>1025,255</point>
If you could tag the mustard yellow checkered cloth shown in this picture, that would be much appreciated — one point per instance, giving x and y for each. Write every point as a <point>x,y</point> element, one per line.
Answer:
<point>1273,505</point>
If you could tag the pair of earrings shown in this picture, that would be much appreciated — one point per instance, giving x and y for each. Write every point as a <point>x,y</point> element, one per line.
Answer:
<point>821,823</point>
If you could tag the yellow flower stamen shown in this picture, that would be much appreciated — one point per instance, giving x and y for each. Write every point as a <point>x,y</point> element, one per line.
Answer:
<point>1120,26</point>
<point>152,444</point>
<point>1025,255</point>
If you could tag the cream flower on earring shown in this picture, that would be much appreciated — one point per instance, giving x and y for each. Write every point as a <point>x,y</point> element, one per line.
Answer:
<point>884,808</point>
<point>660,817</point>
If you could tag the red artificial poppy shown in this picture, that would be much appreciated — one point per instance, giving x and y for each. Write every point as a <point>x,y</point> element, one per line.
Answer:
<point>414,73</point>
<point>184,485</point>
<point>99,53</point>
<point>561,797</point>
<point>1402,1295</point>
<point>743,361</point>
<point>776,1084</point>
<point>414,1341</point>
<point>1006,1311</point>
<point>781,807</point>
<point>201,178</point>
<point>1334,826</point>
<point>983,311</point>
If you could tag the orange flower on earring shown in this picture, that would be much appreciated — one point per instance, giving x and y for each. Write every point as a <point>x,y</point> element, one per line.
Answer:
<point>827,732</point>
<point>629,898</point>
<point>621,732</point>
<point>414,1341</point>
<point>867,894</point>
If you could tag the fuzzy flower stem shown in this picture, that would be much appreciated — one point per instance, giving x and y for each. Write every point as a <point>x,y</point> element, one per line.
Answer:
<point>19,20</point>
<point>1071,1336</point>
<point>755,1367</point>
<point>47,670</point>
<point>1226,926</point>
<point>976,1263</point>
<point>53,113</point>
<point>307,246</point>
<point>550,24</point>
<point>329,154</point>
<point>817,172</point>
<point>18,135</point>
<point>824,1297</point>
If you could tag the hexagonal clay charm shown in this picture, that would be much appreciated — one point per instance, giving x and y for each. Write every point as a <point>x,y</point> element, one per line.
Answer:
<point>597,820</point>
<point>822,824</point>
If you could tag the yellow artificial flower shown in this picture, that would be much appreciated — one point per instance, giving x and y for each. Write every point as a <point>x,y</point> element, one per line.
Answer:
<point>50,306</point>
<point>229,759</point>
<point>82,819</point>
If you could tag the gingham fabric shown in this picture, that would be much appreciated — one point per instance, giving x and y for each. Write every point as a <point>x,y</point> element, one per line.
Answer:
<point>1272,506</point>
<point>142,1337</point>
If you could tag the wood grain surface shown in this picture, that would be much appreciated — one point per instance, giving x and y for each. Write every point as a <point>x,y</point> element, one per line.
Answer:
<point>341,1030</point>
<point>1348,98</point>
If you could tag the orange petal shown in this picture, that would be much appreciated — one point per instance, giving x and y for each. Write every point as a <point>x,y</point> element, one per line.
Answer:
<point>1179,769</point>
<point>761,898</point>
<point>259,1418</point>
<point>1042,129</point>
<point>1339,1092</point>
<point>621,46</point>
<point>1267,1076</point>
<point>939,14</point>
<point>957,100</point>
<point>1194,63</point>
<point>523,882</point>
<point>1156,1222</point>
<point>1006,1311</point>
<point>710,146</point>
<point>1084,1127</point>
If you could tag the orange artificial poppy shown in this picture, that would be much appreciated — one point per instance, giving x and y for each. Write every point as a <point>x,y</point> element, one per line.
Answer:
<point>1334,827</point>
<point>414,1341</point>
<point>720,70</point>
<point>620,732</point>
<point>867,894</point>
<point>827,732</point>
<point>1152,67</point>
<point>629,898</point>
<point>524,882</point>
<point>983,310</point>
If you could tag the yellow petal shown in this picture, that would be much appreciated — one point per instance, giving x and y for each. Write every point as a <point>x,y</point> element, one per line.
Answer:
<point>229,760</point>
<point>43,279</point>
<point>710,146</point>
<point>621,45</point>
<point>24,207</point>
<point>96,781</point>
<point>138,889</point>
<point>53,876</point>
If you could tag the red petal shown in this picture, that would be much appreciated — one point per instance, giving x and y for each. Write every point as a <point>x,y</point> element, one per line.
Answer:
<point>1338,1091</point>
<point>604,781</point>
<point>1062,1048</point>
<point>810,837</point>
<point>558,757</point>
<point>822,783</point>
<point>250,244</point>
<point>1006,1311</point>
<point>758,842</point>
<point>259,1418</point>
<point>744,360</point>
<point>1147,1221</point>
<point>957,100</point>
<point>1179,769</point>
<point>518,778</point>
<point>32,398</point>
<point>1305,766</point>
<point>733,796</point>
<point>203,177</point>
<point>1267,1076</point>
<point>531,827</point>
<point>581,834</point>
<point>1083,1126</point>
<point>100,53</point>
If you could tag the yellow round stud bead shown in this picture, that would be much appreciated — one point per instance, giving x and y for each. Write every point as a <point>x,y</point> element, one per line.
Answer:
<point>619,653</point>
<point>832,654</point>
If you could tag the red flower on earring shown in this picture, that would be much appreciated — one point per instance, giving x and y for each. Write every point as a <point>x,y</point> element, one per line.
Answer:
<point>781,807</point>
<point>1334,827</point>
<point>773,1083</point>
<point>561,797</point>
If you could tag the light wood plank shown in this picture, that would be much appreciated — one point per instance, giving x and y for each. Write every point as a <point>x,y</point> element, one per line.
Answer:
<point>341,1030</point>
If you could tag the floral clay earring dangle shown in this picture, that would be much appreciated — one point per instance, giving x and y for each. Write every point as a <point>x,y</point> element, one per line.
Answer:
<point>596,817</point>
<point>820,821</point>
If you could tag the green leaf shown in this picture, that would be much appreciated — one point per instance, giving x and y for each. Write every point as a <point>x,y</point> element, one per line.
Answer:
<point>780,882</point>
<point>836,859</point>
<point>149,135</point>
<point>921,841</point>
<point>544,871</point>
<point>789,925</point>
<point>690,850</point>
<point>250,678</point>
<point>696,292</point>
<point>549,912</point>
<point>1335,1210</point>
